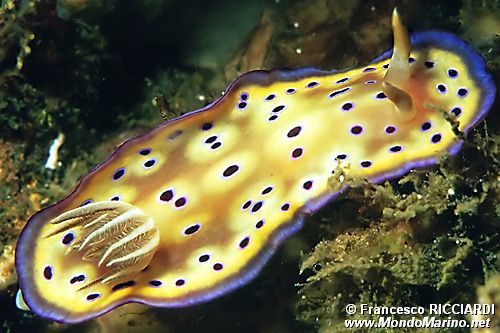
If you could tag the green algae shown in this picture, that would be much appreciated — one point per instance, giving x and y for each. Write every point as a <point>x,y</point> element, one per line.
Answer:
<point>180,92</point>
<point>430,237</point>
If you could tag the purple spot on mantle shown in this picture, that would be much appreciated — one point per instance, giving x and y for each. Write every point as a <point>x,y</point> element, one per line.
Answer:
<point>77,279</point>
<point>211,139</point>
<point>181,202</point>
<point>294,132</point>
<point>342,80</point>
<point>246,204</point>
<point>390,129</point>
<point>462,92</point>
<point>426,126</point>
<point>452,73</point>
<point>347,106</point>
<point>279,108</point>
<point>206,126</point>
<point>86,202</point>
<point>312,84</point>
<point>119,174</point>
<point>242,105</point>
<point>257,206</point>
<point>366,164</point>
<point>244,242</point>
<point>204,258</point>
<point>230,170</point>
<point>155,283</point>
<point>149,163</point>
<point>68,238</point>
<point>267,190</point>
<point>395,149</point>
<point>123,285</point>
<point>167,195</point>
<point>341,156</point>
<point>338,92</point>
<point>93,297</point>
<point>441,88</point>
<point>47,272</point>
<point>216,145</point>
<point>457,111</point>
<point>145,151</point>
<point>192,229</point>
<point>270,97</point>
<point>436,138</point>
<point>356,130</point>
<point>297,152</point>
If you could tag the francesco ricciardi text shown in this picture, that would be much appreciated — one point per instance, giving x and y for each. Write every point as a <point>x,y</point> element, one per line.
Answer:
<point>432,309</point>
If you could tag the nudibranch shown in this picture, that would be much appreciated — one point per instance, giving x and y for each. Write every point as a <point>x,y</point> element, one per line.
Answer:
<point>194,208</point>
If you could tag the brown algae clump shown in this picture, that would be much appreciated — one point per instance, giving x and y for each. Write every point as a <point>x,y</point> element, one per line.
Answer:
<point>431,237</point>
